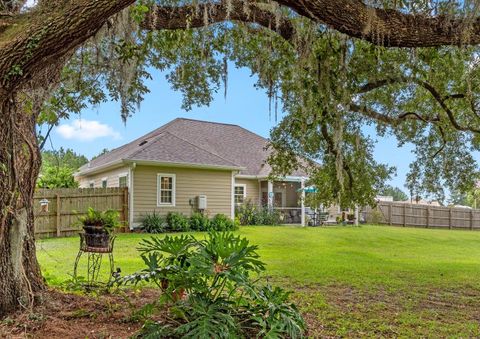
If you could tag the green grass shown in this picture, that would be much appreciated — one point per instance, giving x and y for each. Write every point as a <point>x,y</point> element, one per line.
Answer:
<point>348,281</point>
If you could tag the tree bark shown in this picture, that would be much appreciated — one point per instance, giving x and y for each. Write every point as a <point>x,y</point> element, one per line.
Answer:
<point>51,33</point>
<point>20,162</point>
<point>388,27</point>
<point>193,16</point>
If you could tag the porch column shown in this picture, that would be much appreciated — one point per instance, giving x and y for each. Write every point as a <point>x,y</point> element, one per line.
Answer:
<point>302,186</point>
<point>270,194</point>
<point>232,197</point>
<point>356,215</point>
<point>260,202</point>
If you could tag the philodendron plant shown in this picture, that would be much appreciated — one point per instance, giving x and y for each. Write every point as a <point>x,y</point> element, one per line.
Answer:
<point>211,290</point>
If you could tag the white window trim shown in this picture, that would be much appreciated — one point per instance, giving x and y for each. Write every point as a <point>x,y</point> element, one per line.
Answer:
<point>174,189</point>
<point>123,175</point>
<point>244,191</point>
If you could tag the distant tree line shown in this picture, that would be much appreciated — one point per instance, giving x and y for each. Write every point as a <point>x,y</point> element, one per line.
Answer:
<point>59,166</point>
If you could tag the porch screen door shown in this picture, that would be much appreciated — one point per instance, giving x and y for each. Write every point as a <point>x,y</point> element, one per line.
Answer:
<point>278,200</point>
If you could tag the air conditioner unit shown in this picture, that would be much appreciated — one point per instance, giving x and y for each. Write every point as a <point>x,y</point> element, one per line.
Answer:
<point>202,202</point>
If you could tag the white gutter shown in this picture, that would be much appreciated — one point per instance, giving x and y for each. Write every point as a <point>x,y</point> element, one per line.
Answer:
<point>101,168</point>
<point>265,177</point>
<point>130,195</point>
<point>118,163</point>
<point>182,164</point>
<point>248,176</point>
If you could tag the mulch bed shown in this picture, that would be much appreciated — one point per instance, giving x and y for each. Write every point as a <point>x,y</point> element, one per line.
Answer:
<point>64,315</point>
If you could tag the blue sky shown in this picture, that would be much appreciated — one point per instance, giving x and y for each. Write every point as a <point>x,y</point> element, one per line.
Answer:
<point>101,127</point>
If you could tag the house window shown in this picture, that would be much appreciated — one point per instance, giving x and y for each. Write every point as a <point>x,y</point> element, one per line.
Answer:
<point>123,181</point>
<point>91,184</point>
<point>104,183</point>
<point>240,194</point>
<point>166,190</point>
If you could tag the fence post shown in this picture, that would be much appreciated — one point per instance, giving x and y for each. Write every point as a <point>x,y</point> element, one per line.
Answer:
<point>471,219</point>
<point>58,215</point>
<point>125,208</point>
<point>404,215</point>
<point>450,218</point>
<point>428,216</point>
<point>390,207</point>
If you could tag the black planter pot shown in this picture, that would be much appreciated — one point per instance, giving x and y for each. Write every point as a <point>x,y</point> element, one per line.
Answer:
<point>96,236</point>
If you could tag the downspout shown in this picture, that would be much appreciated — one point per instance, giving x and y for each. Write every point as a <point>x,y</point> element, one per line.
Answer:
<point>130,194</point>
<point>232,197</point>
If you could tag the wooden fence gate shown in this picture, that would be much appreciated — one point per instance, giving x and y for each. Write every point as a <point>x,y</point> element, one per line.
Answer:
<point>67,204</point>
<point>427,216</point>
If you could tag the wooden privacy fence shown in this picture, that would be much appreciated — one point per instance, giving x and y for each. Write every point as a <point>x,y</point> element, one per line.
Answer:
<point>67,204</point>
<point>428,216</point>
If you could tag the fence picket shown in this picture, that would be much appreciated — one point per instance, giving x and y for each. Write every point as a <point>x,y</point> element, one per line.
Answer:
<point>428,216</point>
<point>66,205</point>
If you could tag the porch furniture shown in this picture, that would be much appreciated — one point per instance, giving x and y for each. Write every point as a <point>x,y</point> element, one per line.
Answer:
<point>317,218</point>
<point>330,221</point>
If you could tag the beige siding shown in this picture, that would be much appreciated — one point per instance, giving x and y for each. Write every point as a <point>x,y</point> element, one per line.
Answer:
<point>111,175</point>
<point>215,184</point>
<point>252,186</point>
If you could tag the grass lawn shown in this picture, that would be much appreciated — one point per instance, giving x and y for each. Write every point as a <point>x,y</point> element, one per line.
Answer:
<point>348,281</point>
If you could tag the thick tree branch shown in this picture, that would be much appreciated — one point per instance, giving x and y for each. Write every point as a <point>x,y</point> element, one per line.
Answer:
<point>368,87</point>
<point>389,28</point>
<point>190,16</point>
<point>391,120</point>
<point>50,36</point>
<point>451,116</point>
<point>441,100</point>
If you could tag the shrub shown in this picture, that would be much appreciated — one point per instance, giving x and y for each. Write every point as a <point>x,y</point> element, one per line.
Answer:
<point>154,223</point>
<point>199,222</point>
<point>221,222</point>
<point>376,217</point>
<point>177,222</point>
<point>249,214</point>
<point>212,290</point>
<point>267,216</point>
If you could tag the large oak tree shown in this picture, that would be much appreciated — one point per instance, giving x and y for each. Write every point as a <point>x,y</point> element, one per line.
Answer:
<point>58,54</point>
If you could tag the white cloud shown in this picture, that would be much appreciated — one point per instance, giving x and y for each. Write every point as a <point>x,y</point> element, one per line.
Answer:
<point>86,130</point>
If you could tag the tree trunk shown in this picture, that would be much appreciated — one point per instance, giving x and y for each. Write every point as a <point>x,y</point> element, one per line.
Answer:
<point>30,62</point>
<point>20,162</point>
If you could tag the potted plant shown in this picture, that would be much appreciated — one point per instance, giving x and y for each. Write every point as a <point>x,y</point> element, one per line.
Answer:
<point>98,226</point>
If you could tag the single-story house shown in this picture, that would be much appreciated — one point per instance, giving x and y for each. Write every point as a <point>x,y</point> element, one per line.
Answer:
<point>187,165</point>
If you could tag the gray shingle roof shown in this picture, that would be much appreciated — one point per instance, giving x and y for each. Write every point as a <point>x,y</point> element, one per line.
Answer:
<point>195,142</point>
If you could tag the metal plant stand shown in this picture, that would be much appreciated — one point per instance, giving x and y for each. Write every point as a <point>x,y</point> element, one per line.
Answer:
<point>94,259</point>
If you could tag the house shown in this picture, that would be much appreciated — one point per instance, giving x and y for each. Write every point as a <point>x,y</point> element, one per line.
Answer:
<point>187,165</point>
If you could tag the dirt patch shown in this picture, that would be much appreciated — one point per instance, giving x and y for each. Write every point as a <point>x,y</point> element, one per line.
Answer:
<point>63,315</point>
